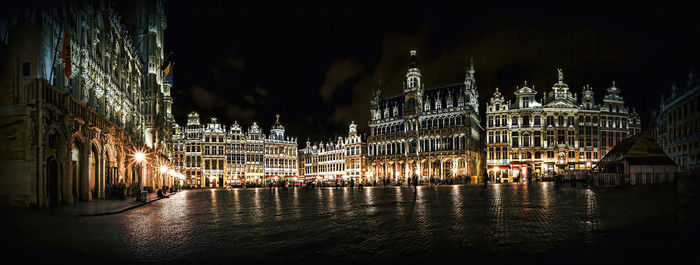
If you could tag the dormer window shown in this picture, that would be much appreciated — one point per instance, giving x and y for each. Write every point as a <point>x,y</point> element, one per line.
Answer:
<point>438,103</point>
<point>427,105</point>
<point>526,102</point>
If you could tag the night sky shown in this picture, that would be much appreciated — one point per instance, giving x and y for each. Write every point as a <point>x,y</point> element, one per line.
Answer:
<point>316,65</point>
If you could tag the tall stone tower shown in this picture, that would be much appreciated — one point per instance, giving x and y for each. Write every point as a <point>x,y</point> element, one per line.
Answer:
<point>470,90</point>
<point>413,87</point>
<point>150,38</point>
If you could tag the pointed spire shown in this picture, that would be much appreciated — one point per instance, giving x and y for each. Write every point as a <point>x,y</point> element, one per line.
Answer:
<point>414,60</point>
<point>691,74</point>
<point>469,75</point>
<point>471,65</point>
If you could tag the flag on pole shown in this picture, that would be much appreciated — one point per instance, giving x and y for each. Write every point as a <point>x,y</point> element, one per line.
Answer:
<point>65,53</point>
<point>169,73</point>
<point>166,61</point>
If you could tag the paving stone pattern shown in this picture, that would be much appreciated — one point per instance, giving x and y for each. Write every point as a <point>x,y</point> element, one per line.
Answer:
<point>539,223</point>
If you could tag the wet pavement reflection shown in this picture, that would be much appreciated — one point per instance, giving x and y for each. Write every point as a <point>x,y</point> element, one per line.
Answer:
<point>374,224</point>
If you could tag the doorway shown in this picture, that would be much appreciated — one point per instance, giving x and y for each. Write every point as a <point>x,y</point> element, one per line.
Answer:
<point>53,186</point>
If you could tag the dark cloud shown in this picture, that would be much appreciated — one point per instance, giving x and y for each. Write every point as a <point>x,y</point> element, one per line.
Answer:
<point>249,98</point>
<point>338,73</point>
<point>206,99</point>
<point>261,91</point>
<point>235,62</point>
<point>235,112</point>
<point>320,75</point>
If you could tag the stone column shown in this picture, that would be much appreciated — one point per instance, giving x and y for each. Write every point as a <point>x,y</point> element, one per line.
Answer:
<point>102,173</point>
<point>83,176</point>
<point>442,169</point>
<point>430,168</point>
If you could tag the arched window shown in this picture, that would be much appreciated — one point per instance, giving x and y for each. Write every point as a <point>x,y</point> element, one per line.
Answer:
<point>526,140</point>
<point>537,120</point>
<point>514,121</point>
<point>526,121</point>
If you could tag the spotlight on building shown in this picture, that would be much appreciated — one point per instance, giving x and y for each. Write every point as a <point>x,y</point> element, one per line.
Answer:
<point>139,157</point>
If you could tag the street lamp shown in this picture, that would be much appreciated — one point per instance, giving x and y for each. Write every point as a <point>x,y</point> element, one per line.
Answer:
<point>140,158</point>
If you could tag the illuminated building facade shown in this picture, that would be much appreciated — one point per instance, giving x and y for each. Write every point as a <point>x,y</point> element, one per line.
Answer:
<point>254,154</point>
<point>433,132</point>
<point>280,155</point>
<point>74,119</point>
<point>324,161</point>
<point>215,157</point>
<point>676,126</point>
<point>341,159</point>
<point>355,154</point>
<point>214,136</point>
<point>556,134</point>
<point>188,146</point>
<point>235,155</point>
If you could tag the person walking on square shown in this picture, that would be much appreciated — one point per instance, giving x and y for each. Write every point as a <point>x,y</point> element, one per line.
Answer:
<point>415,183</point>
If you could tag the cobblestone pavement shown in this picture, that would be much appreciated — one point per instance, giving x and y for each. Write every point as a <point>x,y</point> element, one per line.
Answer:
<point>540,223</point>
